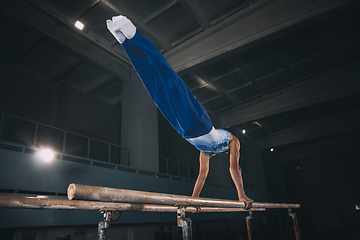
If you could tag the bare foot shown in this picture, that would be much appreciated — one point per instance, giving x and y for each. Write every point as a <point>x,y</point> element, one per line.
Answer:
<point>248,202</point>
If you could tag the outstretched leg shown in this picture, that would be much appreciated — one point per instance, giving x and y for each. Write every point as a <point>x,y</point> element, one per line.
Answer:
<point>147,73</point>
<point>173,98</point>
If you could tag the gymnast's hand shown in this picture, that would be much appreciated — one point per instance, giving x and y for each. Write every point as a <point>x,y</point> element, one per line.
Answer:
<point>248,202</point>
<point>198,209</point>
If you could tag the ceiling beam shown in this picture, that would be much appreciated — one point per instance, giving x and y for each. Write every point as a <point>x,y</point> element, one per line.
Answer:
<point>276,45</point>
<point>340,83</point>
<point>251,25</point>
<point>323,146</point>
<point>26,41</point>
<point>86,32</point>
<point>159,12</point>
<point>193,10</point>
<point>262,125</point>
<point>90,5</point>
<point>98,84</point>
<point>343,121</point>
<point>249,2</point>
<point>121,8</point>
<point>70,65</point>
<point>204,76</point>
<point>50,28</point>
<point>240,65</point>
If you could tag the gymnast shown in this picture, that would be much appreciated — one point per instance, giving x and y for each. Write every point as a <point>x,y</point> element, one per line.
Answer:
<point>178,105</point>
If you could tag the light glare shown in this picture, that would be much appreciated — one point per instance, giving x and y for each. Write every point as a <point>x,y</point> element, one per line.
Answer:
<point>79,25</point>
<point>272,149</point>
<point>243,131</point>
<point>46,155</point>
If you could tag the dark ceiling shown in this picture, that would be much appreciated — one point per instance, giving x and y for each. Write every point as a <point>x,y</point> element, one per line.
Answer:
<point>294,85</point>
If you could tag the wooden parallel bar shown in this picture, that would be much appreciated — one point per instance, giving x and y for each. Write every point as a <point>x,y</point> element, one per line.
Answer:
<point>85,192</point>
<point>64,204</point>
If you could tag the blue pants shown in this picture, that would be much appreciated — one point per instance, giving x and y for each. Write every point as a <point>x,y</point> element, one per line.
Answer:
<point>168,91</point>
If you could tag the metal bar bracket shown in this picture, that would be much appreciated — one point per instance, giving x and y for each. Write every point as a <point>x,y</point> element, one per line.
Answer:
<point>248,225</point>
<point>184,223</point>
<point>102,226</point>
<point>295,222</point>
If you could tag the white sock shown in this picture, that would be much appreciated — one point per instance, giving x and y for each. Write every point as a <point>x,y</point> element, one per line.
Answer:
<point>123,24</point>
<point>115,31</point>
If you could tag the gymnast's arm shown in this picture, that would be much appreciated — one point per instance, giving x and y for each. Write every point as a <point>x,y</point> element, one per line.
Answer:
<point>235,171</point>
<point>203,172</point>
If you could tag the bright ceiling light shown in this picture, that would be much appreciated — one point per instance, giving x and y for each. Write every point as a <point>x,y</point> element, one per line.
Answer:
<point>79,25</point>
<point>46,155</point>
<point>272,149</point>
<point>243,131</point>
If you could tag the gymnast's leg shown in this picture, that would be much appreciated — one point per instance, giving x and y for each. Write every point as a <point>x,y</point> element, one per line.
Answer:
<point>173,98</point>
<point>148,76</point>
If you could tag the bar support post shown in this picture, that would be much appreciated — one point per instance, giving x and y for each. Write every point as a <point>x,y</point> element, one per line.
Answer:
<point>248,225</point>
<point>102,226</point>
<point>295,222</point>
<point>184,223</point>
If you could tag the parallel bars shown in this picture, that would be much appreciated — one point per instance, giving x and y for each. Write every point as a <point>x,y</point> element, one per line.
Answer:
<point>110,200</point>
<point>78,191</point>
